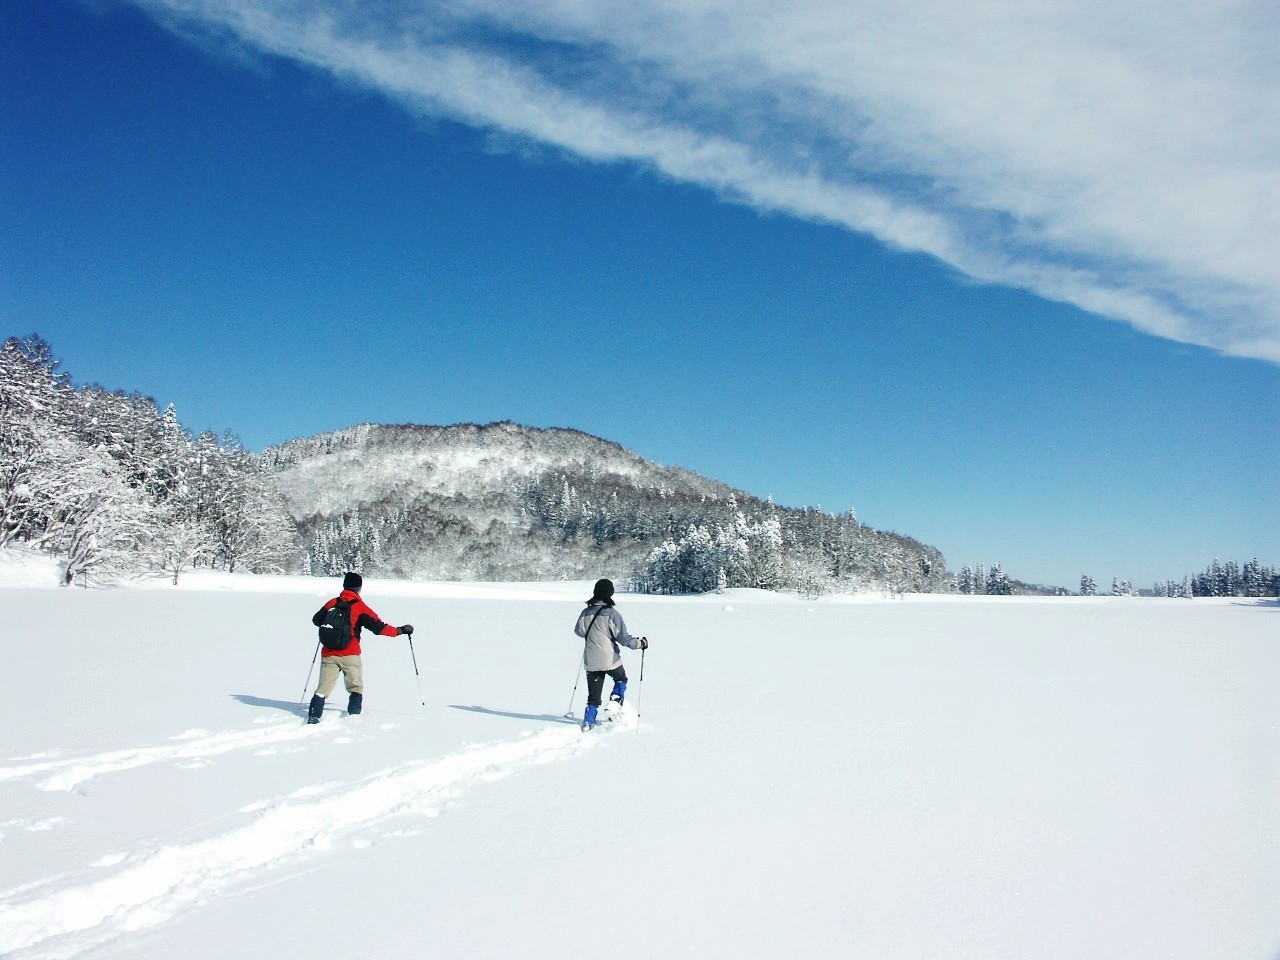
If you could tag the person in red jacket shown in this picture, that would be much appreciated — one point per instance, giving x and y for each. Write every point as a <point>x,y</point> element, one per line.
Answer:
<point>347,660</point>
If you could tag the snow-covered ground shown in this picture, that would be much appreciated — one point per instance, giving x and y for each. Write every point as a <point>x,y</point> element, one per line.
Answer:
<point>925,778</point>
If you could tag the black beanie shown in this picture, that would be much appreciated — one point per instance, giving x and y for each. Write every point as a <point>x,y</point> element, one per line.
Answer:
<point>603,590</point>
<point>352,581</point>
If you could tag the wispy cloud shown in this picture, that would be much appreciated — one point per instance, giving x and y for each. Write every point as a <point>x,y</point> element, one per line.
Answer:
<point>1121,157</point>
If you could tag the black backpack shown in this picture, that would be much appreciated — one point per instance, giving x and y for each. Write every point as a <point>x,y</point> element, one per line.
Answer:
<point>335,628</point>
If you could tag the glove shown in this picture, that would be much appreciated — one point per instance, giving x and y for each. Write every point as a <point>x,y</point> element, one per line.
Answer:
<point>644,644</point>
<point>406,629</point>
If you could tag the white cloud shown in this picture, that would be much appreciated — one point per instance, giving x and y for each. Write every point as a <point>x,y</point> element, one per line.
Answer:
<point>1121,157</point>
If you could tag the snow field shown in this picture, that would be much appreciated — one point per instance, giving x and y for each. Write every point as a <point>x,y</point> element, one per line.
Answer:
<point>965,778</point>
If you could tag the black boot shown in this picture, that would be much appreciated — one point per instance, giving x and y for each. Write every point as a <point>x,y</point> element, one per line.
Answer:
<point>354,703</point>
<point>316,708</point>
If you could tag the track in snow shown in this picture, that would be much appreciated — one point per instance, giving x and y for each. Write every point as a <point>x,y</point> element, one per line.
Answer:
<point>192,746</point>
<point>146,887</point>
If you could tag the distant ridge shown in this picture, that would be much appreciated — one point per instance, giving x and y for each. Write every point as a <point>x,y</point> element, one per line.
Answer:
<point>501,501</point>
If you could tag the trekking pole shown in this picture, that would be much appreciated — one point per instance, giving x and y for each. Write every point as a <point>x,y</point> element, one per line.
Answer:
<point>569,713</point>
<point>640,689</point>
<point>418,676</point>
<point>302,699</point>
<point>586,636</point>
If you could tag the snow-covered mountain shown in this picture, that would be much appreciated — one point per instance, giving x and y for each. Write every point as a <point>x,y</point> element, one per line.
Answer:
<point>462,462</point>
<point>509,502</point>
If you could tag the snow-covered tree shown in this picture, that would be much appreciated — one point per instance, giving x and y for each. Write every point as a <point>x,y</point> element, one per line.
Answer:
<point>764,554</point>
<point>96,521</point>
<point>33,429</point>
<point>180,545</point>
<point>997,583</point>
<point>103,480</point>
<point>1255,579</point>
<point>27,460</point>
<point>249,526</point>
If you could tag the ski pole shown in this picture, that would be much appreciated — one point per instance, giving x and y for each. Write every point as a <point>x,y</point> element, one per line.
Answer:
<point>640,689</point>
<point>302,699</point>
<point>569,713</point>
<point>417,675</point>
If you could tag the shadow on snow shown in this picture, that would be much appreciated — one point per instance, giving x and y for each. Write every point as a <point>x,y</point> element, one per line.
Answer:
<point>288,706</point>
<point>542,717</point>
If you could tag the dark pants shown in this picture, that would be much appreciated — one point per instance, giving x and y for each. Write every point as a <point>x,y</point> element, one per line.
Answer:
<point>595,682</point>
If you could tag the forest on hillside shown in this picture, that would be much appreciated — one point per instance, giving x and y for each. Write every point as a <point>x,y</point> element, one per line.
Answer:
<point>507,502</point>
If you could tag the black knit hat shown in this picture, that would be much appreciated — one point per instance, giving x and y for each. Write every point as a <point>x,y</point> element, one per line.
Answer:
<point>353,582</point>
<point>603,590</point>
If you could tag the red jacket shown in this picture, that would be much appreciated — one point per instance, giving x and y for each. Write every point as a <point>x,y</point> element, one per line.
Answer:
<point>362,615</point>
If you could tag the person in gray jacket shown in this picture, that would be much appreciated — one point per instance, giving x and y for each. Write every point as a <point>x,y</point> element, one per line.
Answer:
<point>605,633</point>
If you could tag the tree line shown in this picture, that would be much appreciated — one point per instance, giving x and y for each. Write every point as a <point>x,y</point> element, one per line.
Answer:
<point>980,581</point>
<point>1228,579</point>
<point>113,487</point>
<point>697,545</point>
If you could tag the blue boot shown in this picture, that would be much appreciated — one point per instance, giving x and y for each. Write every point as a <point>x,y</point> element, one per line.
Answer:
<point>316,708</point>
<point>589,716</point>
<point>355,703</point>
<point>618,692</point>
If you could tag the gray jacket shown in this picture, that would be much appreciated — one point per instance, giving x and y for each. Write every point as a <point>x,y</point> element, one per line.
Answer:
<point>608,630</point>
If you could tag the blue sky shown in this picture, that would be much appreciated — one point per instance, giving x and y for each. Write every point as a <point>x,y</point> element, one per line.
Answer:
<point>1020,306</point>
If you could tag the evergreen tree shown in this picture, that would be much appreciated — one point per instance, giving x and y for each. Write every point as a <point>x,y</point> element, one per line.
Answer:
<point>997,583</point>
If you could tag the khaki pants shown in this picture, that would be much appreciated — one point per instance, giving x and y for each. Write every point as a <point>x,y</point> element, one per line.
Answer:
<point>349,667</point>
